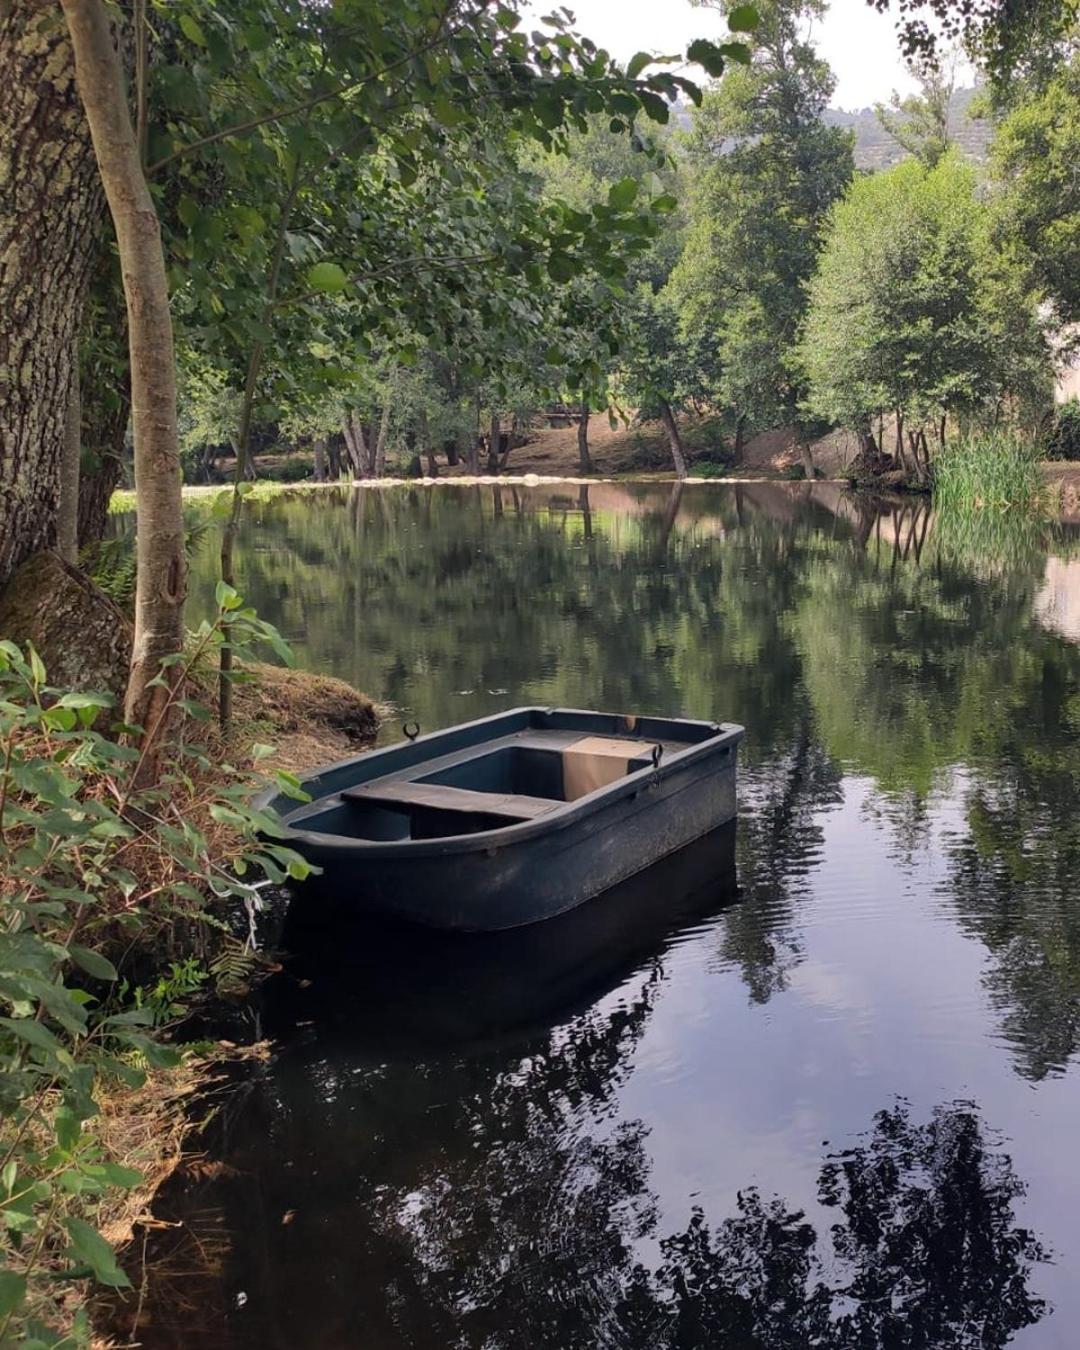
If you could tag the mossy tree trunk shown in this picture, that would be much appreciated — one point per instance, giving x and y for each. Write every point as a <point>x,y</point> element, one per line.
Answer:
<point>161,565</point>
<point>51,208</point>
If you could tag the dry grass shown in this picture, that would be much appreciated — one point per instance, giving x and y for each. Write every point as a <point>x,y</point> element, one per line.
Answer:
<point>145,1128</point>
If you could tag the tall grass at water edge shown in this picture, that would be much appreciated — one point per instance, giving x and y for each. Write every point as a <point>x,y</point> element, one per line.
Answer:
<point>995,469</point>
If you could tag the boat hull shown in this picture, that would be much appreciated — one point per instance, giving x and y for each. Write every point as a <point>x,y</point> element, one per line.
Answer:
<point>498,879</point>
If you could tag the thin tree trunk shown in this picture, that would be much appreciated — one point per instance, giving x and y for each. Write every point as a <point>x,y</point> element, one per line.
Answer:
<point>106,401</point>
<point>320,459</point>
<point>740,433</point>
<point>494,436</point>
<point>333,455</point>
<point>585,463</point>
<point>671,427</point>
<point>809,472</point>
<point>51,207</point>
<point>378,464</point>
<point>67,518</point>
<point>901,458</point>
<point>161,568</point>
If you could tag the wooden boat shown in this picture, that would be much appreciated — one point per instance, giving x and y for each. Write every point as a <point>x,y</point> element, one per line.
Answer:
<point>510,819</point>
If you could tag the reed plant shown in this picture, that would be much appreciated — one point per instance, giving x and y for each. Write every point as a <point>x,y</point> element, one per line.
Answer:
<point>991,469</point>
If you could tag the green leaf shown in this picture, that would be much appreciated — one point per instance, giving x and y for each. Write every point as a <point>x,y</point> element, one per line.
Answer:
<point>226,597</point>
<point>68,1127</point>
<point>736,51</point>
<point>90,1248</point>
<point>638,64</point>
<point>59,719</point>
<point>191,30</point>
<point>85,701</point>
<point>621,195</point>
<point>112,1174</point>
<point>12,1292</point>
<point>562,268</point>
<point>707,54</point>
<point>37,667</point>
<point>187,208</point>
<point>95,965</point>
<point>743,19</point>
<point>328,278</point>
<point>33,1033</point>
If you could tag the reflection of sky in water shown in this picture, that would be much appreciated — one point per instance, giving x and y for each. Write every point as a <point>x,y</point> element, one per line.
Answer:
<point>909,870</point>
<point>887,1001</point>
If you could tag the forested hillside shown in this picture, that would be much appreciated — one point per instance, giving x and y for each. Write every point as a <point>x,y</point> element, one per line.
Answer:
<point>876,149</point>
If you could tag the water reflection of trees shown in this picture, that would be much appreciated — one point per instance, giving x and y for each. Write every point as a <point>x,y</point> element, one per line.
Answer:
<point>839,631</point>
<point>499,1201</point>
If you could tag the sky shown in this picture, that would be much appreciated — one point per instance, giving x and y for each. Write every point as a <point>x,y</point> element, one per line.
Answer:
<point>858,42</point>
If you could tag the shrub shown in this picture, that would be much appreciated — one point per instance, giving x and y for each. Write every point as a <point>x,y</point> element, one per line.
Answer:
<point>708,468</point>
<point>1063,441</point>
<point>92,868</point>
<point>993,468</point>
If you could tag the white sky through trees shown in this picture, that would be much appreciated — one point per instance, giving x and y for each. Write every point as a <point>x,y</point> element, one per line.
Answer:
<point>858,43</point>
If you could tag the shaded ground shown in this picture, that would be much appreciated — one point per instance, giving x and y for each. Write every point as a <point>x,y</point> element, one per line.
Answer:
<point>644,449</point>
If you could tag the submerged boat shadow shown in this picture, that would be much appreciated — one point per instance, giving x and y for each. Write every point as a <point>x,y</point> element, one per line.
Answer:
<point>388,987</point>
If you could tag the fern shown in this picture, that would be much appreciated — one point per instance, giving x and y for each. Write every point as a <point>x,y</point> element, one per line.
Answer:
<point>233,967</point>
<point>110,563</point>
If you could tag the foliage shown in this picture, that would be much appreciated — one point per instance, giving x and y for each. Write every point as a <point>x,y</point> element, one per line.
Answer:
<point>995,469</point>
<point>339,182</point>
<point>919,123</point>
<point>1035,154</point>
<point>94,868</point>
<point>912,310</point>
<point>766,170</point>
<point>1063,441</point>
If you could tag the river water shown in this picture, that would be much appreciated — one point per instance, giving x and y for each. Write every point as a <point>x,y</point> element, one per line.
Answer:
<point>813,1086</point>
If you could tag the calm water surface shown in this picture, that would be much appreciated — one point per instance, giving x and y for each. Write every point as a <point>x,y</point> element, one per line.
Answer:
<point>816,1086</point>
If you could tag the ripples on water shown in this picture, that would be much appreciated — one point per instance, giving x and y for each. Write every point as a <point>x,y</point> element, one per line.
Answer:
<point>816,1086</point>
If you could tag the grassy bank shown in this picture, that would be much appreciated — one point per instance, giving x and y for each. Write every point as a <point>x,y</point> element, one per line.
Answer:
<point>994,470</point>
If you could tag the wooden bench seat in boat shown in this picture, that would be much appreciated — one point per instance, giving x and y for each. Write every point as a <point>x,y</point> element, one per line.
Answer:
<point>433,797</point>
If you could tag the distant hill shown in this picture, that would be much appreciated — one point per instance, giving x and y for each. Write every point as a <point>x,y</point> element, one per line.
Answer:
<point>876,149</point>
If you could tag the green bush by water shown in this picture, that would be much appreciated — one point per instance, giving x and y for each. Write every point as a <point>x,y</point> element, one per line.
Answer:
<point>990,469</point>
<point>1063,441</point>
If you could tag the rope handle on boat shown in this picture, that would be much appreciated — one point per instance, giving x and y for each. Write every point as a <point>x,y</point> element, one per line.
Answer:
<point>411,730</point>
<point>657,753</point>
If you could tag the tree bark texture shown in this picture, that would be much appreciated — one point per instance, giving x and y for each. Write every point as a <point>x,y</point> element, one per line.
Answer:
<point>51,209</point>
<point>161,565</point>
<point>67,515</point>
<point>320,459</point>
<point>671,427</point>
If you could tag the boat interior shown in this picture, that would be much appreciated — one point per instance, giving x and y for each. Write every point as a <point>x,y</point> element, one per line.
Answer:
<point>490,785</point>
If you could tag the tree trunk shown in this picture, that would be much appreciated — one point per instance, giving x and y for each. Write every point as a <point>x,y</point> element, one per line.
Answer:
<point>51,208</point>
<point>67,516</point>
<point>494,437</point>
<point>333,454</point>
<point>320,459</point>
<point>378,458</point>
<point>356,446</point>
<point>807,455</point>
<point>901,458</point>
<point>740,433</point>
<point>671,427</point>
<point>105,376</point>
<point>585,463</point>
<point>161,565</point>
